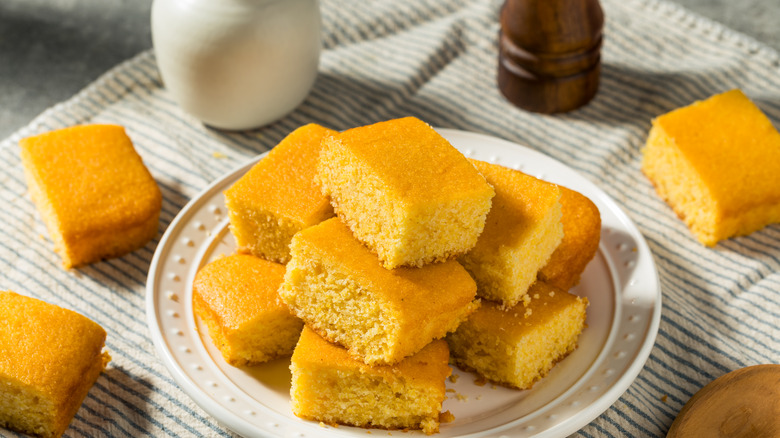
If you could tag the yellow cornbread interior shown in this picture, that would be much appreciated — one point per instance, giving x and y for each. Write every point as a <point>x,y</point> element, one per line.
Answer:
<point>717,164</point>
<point>337,286</point>
<point>237,298</point>
<point>93,192</point>
<point>45,373</point>
<point>404,191</point>
<point>278,197</point>
<point>329,385</point>
<point>581,234</point>
<point>518,346</point>
<point>521,231</point>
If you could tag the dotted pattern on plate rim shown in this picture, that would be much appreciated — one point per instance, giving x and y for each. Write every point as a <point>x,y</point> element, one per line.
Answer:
<point>205,221</point>
<point>622,249</point>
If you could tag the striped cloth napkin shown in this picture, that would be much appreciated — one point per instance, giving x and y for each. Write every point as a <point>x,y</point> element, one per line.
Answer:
<point>434,59</point>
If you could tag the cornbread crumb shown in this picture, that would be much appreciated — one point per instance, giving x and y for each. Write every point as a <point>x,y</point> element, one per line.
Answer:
<point>446,417</point>
<point>337,286</point>
<point>528,348</point>
<point>278,197</point>
<point>454,378</point>
<point>92,190</point>
<point>404,191</point>
<point>717,164</point>
<point>521,232</point>
<point>328,385</point>
<point>236,297</point>
<point>45,374</point>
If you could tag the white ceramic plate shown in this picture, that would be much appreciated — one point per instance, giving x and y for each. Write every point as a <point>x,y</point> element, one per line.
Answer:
<point>621,283</point>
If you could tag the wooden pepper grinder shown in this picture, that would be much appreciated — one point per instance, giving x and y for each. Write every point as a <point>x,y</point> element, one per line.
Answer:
<point>550,53</point>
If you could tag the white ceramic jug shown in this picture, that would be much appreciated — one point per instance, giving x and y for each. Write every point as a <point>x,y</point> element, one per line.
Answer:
<point>237,64</point>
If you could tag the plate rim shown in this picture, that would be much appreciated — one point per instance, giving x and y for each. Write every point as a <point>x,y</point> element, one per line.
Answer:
<point>233,422</point>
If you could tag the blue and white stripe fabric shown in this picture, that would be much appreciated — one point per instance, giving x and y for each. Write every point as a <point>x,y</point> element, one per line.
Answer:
<point>435,59</point>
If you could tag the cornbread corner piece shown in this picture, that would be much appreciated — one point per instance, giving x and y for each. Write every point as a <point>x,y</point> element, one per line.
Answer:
<point>278,197</point>
<point>237,298</point>
<point>339,289</point>
<point>716,162</point>
<point>521,232</point>
<point>404,191</point>
<point>45,374</point>
<point>330,386</point>
<point>93,191</point>
<point>518,346</point>
<point>581,234</point>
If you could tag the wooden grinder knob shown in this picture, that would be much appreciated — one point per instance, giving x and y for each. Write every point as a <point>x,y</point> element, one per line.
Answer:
<point>550,53</point>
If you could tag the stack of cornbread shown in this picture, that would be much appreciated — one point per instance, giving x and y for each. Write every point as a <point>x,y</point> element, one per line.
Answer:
<point>420,233</point>
<point>537,240</point>
<point>238,298</point>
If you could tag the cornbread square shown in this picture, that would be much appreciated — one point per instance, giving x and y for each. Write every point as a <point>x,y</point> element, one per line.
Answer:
<point>278,196</point>
<point>329,385</point>
<point>521,232</point>
<point>518,346</point>
<point>237,298</point>
<point>50,359</point>
<point>339,289</point>
<point>93,192</point>
<point>404,191</point>
<point>717,164</point>
<point>581,234</point>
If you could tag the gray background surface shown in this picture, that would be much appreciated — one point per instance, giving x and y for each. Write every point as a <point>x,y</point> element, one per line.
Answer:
<point>51,49</point>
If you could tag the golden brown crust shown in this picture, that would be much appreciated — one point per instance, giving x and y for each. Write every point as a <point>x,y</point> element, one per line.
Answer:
<point>237,297</point>
<point>716,162</point>
<point>330,386</point>
<point>58,366</point>
<point>338,287</point>
<point>517,347</point>
<point>404,191</point>
<point>278,196</point>
<point>581,234</point>
<point>522,230</point>
<point>93,191</point>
